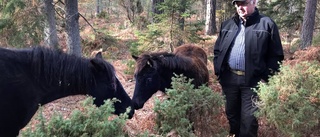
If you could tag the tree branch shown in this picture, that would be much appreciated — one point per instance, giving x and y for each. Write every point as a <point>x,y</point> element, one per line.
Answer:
<point>87,22</point>
<point>78,13</point>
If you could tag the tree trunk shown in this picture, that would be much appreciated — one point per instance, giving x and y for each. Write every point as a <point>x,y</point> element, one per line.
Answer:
<point>98,7</point>
<point>155,9</point>
<point>203,9</point>
<point>139,7</point>
<point>72,27</point>
<point>181,20</point>
<point>308,23</point>
<point>182,10</point>
<point>50,30</point>
<point>210,27</point>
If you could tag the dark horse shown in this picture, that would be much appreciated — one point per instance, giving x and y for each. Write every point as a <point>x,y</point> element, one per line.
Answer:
<point>154,71</point>
<point>29,77</point>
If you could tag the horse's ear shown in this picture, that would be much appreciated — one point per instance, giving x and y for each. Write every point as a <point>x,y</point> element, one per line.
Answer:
<point>97,64</point>
<point>99,55</point>
<point>134,57</point>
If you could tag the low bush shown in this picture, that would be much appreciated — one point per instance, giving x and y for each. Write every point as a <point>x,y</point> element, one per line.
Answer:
<point>90,121</point>
<point>189,111</point>
<point>130,67</point>
<point>291,99</point>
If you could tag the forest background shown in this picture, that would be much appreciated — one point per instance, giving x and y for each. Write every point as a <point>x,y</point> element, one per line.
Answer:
<point>125,27</point>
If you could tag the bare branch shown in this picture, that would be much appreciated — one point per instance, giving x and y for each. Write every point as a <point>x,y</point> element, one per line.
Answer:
<point>78,13</point>
<point>87,22</point>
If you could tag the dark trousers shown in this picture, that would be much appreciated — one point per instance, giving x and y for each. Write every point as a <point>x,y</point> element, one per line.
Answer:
<point>240,106</point>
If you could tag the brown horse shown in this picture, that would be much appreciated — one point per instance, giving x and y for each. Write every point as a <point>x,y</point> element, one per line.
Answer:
<point>155,70</point>
<point>191,51</point>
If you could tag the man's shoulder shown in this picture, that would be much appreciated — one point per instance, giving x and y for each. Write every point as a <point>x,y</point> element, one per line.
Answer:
<point>228,22</point>
<point>266,21</point>
<point>232,19</point>
<point>266,18</point>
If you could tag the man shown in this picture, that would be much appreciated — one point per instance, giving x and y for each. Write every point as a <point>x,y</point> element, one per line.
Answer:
<point>248,50</point>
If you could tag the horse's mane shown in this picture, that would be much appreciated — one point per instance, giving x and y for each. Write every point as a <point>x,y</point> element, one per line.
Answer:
<point>57,67</point>
<point>165,59</point>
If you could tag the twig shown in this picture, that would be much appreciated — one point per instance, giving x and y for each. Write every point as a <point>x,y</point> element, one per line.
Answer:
<point>59,8</point>
<point>78,13</point>
<point>87,22</point>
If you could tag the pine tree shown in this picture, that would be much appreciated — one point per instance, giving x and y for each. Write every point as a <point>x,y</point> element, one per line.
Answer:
<point>308,23</point>
<point>17,27</point>
<point>288,14</point>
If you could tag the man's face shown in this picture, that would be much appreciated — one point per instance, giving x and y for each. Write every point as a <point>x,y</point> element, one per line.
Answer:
<point>245,8</point>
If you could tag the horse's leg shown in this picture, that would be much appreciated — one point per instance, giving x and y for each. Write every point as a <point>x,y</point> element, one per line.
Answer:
<point>16,110</point>
<point>9,117</point>
<point>11,121</point>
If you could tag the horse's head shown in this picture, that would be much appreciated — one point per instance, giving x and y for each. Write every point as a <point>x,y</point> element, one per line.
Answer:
<point>107,86</point>
<point>148,79</point>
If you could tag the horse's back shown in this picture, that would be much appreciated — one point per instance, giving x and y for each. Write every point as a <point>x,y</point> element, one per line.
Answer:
<point>192,51</point>
<point>199,64</point>
<point>13,64</point>
<point>14,56</point>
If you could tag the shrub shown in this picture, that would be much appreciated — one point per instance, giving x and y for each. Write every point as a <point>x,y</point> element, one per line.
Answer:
<point>103,15</point>
<point>91,121</point>
<point>189,111</point>
<point>134,48</point>
<point>130,67</point>
<point>291,99</point>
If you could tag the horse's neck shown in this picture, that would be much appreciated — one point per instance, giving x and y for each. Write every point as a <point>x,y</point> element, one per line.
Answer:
<point>57,92</point>
<point>177,68</point>
<point>51,95</point>
<point>60,87</point>
<point>166,76</point>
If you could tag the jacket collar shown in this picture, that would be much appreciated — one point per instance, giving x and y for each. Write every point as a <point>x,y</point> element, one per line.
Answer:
<point>250,19</point>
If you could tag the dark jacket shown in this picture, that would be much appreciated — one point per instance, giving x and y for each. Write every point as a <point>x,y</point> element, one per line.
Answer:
<point>263,49</point>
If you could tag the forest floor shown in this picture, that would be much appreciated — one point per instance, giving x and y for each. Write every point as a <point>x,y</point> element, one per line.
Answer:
<point>143,120</point>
